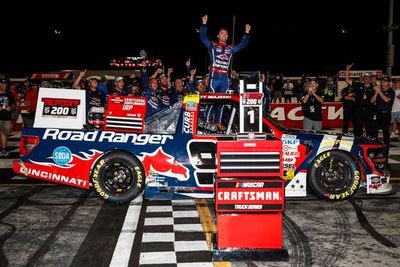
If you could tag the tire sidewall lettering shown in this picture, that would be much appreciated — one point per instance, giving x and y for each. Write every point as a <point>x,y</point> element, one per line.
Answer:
<point>320,158</point>
<point>354,186</point>
<point>95,175</point>
<point>355,173</point>
<point>130,162</point>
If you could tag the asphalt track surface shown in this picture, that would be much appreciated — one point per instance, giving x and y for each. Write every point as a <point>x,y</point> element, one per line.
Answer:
<point>43,225</point>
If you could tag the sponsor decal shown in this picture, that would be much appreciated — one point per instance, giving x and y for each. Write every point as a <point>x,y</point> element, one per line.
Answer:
<point>288,174</point>
<point>217,96</point>
<point>95,176</point>
<point>288,136</point>
<point>191,101</point>
<point>250,184</point>
<point>164,164</point>
<point>53,177</point>
<point>188,122</point>
<point>58,107</point>
<point>248,207</point>
<point>245,195</point>
<point>251,99</point>
<point>290,148</point>
<point>291,154</point>
<point>288,166</point>
<point>222,57</point>
<point>289,160</point>
<point>106,136</point>
<point>248,195</point>
<point>321,158</point>
<point>74,173</point>
<point>139,177</point>
<point>76,160</point>
<point>374,182</point>
<point>291,141</point>
<point>191,105</point>
<point>62,155</point>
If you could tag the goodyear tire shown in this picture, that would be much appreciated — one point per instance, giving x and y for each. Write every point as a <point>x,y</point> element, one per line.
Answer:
<point>118,177</point>
<point>334,175</point>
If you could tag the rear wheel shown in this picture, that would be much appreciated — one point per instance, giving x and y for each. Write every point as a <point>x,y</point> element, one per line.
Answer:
<point>334,175</point>
<point>118,177</point>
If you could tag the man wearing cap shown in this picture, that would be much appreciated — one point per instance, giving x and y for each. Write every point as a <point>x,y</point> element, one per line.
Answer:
<point>383,99</point>
<point>365,110</point>
<point>154,103</point>
<point>119,87</point>
<point>94,97</point>
<point>6,106</point>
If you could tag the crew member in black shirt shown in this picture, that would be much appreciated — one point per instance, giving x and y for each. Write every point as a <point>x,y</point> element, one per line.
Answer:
<point>312,107</point>
<point>383,99</point>
<point>363,107</point>
<point>348,99</point>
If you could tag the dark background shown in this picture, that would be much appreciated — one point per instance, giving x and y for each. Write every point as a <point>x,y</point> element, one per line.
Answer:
<point>289,37</point>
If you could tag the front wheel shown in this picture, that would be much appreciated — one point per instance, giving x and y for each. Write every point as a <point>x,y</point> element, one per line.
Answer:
<point>118,177</point>
<point>334,175</point>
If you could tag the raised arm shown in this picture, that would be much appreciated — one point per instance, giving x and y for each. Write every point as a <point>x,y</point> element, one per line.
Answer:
<point>348,80</point>
<point>203,33</point>
<point>245,40</point>
<point>78,80</point>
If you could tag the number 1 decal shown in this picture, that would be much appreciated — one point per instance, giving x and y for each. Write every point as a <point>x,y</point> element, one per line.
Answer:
<point>251,113</point>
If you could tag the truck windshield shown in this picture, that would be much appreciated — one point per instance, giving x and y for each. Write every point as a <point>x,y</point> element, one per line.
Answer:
<point>165,121</point>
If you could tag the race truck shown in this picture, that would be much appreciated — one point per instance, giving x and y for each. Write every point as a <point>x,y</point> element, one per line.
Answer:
<point>173,153</point>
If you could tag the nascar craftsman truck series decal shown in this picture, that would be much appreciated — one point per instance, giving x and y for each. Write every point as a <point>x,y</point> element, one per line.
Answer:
<point>173,154</point>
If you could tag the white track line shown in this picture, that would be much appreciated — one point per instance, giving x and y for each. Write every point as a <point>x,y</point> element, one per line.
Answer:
<point>123,249</point>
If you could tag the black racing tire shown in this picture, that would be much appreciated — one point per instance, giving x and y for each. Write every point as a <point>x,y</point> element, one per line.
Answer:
<point>334,175</point>
<point>117,177</point>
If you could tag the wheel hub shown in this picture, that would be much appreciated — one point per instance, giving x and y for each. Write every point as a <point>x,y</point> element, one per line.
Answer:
<point>119,177</point>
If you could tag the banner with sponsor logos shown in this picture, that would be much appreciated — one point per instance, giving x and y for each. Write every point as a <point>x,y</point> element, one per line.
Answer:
<point>60,108</point>
<point>125,113</point>
<point>291,115</point>
<point>359,73</point>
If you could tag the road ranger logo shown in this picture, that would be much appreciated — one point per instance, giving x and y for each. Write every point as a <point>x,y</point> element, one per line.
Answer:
<point>106,136</point>
<point>56,107</point>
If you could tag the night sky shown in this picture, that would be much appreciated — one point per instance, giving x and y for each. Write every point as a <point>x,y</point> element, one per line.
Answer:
<point>289,37</point>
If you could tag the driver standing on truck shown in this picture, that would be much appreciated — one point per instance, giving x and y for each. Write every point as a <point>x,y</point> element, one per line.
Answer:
<point>220,55</point>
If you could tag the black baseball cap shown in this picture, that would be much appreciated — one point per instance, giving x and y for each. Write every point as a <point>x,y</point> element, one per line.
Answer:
<point>386,79</point>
